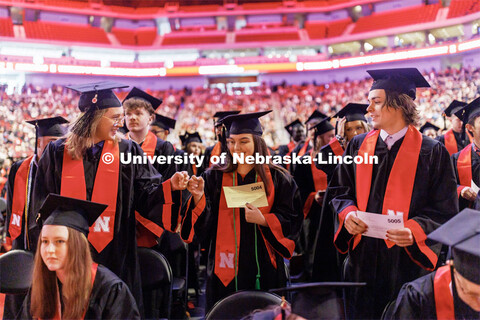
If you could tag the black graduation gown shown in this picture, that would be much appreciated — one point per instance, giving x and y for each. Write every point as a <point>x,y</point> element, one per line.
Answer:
<point>416,300</point>
<point>110,298</point>
<point>164,148</point>
<point>434,201</point>
<point>139,189</point>
<point>304,179</point>
<point>458,138</point>
<point>21,241</point>
<point>464,203</point>
<point>287,208</point>
<point>295,151</point>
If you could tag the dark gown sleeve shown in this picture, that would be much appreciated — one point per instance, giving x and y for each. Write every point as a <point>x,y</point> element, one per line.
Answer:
<point>286,216</point>
<point>119,303</point>
<point>441,206</point>
<point>415,300</point>
<point>343,195</point>
<point>199,220</point>
<point>152,199</point>
<point>10,186</point>
<point>165,148</point>
<point>303,179</point>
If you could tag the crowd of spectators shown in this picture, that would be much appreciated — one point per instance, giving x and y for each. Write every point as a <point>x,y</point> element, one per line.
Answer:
<point>193,107</point>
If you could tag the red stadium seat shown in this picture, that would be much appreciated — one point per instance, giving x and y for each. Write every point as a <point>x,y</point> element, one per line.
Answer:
<point>64,32</point>
<point>181,38</point>
<point>459,8</point>
<point>6,27</point>
<point>397,18</point>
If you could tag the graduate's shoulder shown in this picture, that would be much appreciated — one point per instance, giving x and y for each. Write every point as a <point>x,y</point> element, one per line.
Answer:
<point>430,145</point>
<point>105,277</point>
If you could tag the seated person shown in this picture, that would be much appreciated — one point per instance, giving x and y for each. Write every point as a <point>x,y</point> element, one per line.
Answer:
<point>66,283</point>
<point>453,291</point>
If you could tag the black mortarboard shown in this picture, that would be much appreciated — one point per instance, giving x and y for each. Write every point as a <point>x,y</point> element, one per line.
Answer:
<point>222,114</point>
<point>401,80</point>
<point>462,234</point>
<point>70,212</point>
<point>48,127</point>
<point>353,112</point>
<point>323,126</point>
<point>453,107</point>
<point>98,95</point>
<point>428,125</point>
<point>244,123</point>
<point>319,300</point>
<point>137,93</point>
<point>164,122</point>
<point>316,115</point>
<point>190,137</point>
<point>289,127</point>
<point>468,112</point>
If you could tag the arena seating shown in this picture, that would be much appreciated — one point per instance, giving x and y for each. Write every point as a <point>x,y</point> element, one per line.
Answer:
<point>459,8</point>
<point>326,29</point>
<point>6,27</point>
<point>135,37</point>
<point>397,18</point>
<point>64,32</point>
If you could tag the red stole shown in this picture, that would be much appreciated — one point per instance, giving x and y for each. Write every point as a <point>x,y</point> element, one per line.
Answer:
<point>450,142</point>
<point>320,182</point>
<point>20,195</point>
<point>303,150</point>
<point>226,257</point>
<point>57,314</point>
<point>336,147</point>
<point>147,231</point>
<point>291,146</point>
<point>400,183</point>
<point>215,152</point>
<point>464,166</point>
<point>443,294</point>
<point>105,190</point>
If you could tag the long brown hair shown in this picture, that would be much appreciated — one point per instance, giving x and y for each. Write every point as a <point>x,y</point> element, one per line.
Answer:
<point>76,288</point>
<point>259,147</point>
<point>405,103</point>
<point>82,131</point>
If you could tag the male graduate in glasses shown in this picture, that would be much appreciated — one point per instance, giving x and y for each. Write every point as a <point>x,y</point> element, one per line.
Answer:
<point>412,177</point>
<point>452,139</point>
<point>86,165</point>
<point>19,192</point>
<point>467,161</point>
<point>452,291</point>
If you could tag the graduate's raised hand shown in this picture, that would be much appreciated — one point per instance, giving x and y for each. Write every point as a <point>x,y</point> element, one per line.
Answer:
<point>196,187</point>
<point>341,126</point>
<point>402,237</point>
<point>254,215</point>
<point>319,196</point>
<point>179,180</point>
<point>354,225</point>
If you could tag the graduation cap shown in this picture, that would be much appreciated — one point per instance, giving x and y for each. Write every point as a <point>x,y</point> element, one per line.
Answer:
<point>401,80</point>
<point>70,212</point>
<point>164,122</point>
<point>190,137</point>
<point>137,93</point>
<point>468,112</point>
<point>353,112</point>
<point>462,234</point>
<point>316,115</point>
<point>289,127</point>
<point>222,114</point>
<point>323,126</point>
<point>318,300</point>
<point>453,107</point>
<point>98,95</point>
<point>245,123</point>
<point>427,126</point>
<point>48,127</point>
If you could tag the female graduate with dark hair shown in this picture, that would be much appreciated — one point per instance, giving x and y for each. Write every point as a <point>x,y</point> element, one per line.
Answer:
<point>246,245</point>
<point>66,283</point>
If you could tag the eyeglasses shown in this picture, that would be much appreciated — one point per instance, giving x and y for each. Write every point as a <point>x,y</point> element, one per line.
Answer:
<point>155,132</point>
<point>116,121</point>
